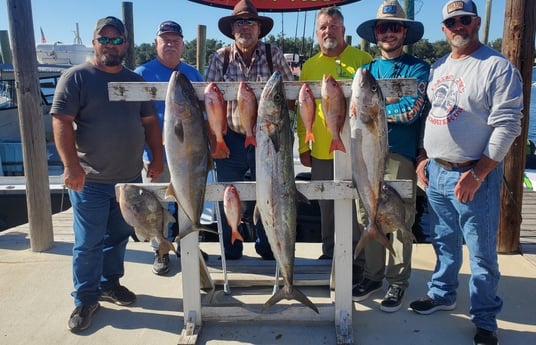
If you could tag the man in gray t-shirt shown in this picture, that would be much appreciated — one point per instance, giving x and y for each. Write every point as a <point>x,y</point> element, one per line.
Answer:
<point>100,144</point>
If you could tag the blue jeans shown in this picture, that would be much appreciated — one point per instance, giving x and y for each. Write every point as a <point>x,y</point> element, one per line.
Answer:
<point>234,168</point>
<point>477,223</point>
<point>100,240</point>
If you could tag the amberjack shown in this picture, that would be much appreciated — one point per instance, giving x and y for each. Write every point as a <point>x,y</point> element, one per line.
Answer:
<point>369,148</point>
<point>186,142</point>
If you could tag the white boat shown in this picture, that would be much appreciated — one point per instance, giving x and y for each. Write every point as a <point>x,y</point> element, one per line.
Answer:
<point>59,53</point>
<point>12,181</point>
<point>64,54</point>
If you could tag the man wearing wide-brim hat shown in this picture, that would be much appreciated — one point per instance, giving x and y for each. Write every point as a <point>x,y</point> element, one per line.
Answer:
<point>246,59</point>
<point>390,30</point>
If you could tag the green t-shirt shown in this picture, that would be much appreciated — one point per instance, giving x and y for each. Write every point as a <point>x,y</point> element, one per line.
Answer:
<point>343,66</point>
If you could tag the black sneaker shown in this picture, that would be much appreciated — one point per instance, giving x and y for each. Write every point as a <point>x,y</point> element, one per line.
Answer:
<point>119,295</point>
<point>81,317</point>
<point>393,299</point>
<point>427,305</point>
<point>161,264</point>
<point>484,337</point>
<point>364,289</point>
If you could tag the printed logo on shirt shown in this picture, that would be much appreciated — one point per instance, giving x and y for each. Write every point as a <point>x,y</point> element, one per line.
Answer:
<point>445,96</point>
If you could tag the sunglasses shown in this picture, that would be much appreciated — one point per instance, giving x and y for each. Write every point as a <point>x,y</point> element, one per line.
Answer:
<point>465,20</point>
<point>395,27</point>
<point>116,41</point>
<point>247,22</point>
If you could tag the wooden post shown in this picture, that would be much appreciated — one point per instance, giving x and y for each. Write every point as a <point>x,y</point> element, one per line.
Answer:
<point>130,58</point>
<point>486,22</point>
<point>518,46</point>
<point>409,7</point>
<point>5,49</point>
<point>31,124</point>
<point>201,48</point>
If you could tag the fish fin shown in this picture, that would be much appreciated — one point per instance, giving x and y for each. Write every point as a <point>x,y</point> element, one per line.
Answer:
<point>290,293</point>
<point>275,141</point>
<point>309,137</point>
<point>365,236</point>
<point>250,140</point>
<point>256,215</point>
<point>170,191</point>
<point>379,236</point>
<point>179,132</point>
<point>235,235</point>
<point>336,144</point>
<point>194,228</point>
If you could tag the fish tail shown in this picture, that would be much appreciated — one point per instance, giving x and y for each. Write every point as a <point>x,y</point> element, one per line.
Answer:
<point>290,293</point>
<point>365,236</point>
<point>379,236</point>
<point>309,137</point>
<point>337,144</point>
<point>250,140</point>
<point>235,235</point>
<point>194,228</point>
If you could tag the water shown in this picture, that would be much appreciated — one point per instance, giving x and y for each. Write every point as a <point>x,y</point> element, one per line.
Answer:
<point>532,119</point>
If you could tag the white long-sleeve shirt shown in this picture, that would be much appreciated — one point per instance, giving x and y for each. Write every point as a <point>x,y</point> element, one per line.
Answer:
<point>476,107</point>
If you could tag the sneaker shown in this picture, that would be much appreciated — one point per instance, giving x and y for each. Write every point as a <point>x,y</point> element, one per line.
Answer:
<point>363,290</point>
<point>81,317</point>
<point>161,264</point>
<point>119,295</point>
<point>427,305</point>
<point>325,257</point>
<point>393,299</point>
<point>484,337</point>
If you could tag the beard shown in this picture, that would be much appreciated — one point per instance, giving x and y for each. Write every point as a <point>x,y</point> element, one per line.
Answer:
<point>329,44</point>
<point>460,42</point>
<point>389,48</point>
<point>111,59</point>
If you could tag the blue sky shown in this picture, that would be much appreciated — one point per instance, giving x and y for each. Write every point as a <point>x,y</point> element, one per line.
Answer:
<point>58,18</point>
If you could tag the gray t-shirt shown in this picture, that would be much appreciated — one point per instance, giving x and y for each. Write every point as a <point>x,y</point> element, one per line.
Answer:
<point>476,105</point>
<point>110,136</point>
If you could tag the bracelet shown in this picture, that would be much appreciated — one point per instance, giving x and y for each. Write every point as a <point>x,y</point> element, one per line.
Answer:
<point>475,176</point>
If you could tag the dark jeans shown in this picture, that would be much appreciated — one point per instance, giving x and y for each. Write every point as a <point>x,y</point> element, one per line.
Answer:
<point>234,168</point>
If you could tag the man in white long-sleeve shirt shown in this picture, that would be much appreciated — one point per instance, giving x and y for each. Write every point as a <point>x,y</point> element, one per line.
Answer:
<point>476,103</point>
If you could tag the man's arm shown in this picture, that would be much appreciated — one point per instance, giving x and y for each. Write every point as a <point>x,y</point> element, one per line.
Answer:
<point>74,176</point>
<point>153,138</point>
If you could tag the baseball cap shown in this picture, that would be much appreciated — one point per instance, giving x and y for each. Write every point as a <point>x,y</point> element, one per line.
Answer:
<point>455,8</point>
<point>169,26</point>
<point>110,21</point>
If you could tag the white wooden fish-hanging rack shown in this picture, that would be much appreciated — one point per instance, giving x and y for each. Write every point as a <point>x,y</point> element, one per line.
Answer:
<point>340,189</point>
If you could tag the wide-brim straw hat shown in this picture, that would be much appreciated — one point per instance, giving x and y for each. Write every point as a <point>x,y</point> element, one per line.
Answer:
<point>245,10</point>
<point>391,11</point>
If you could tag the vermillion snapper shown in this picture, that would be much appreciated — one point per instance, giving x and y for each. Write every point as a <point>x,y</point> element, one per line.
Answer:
<point>275,187</point>
<point>216,108</point>
<point>334,109</point>
<point>307,106</point>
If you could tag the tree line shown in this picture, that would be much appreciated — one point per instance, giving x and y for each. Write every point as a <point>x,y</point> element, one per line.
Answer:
<point>304,47</point>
